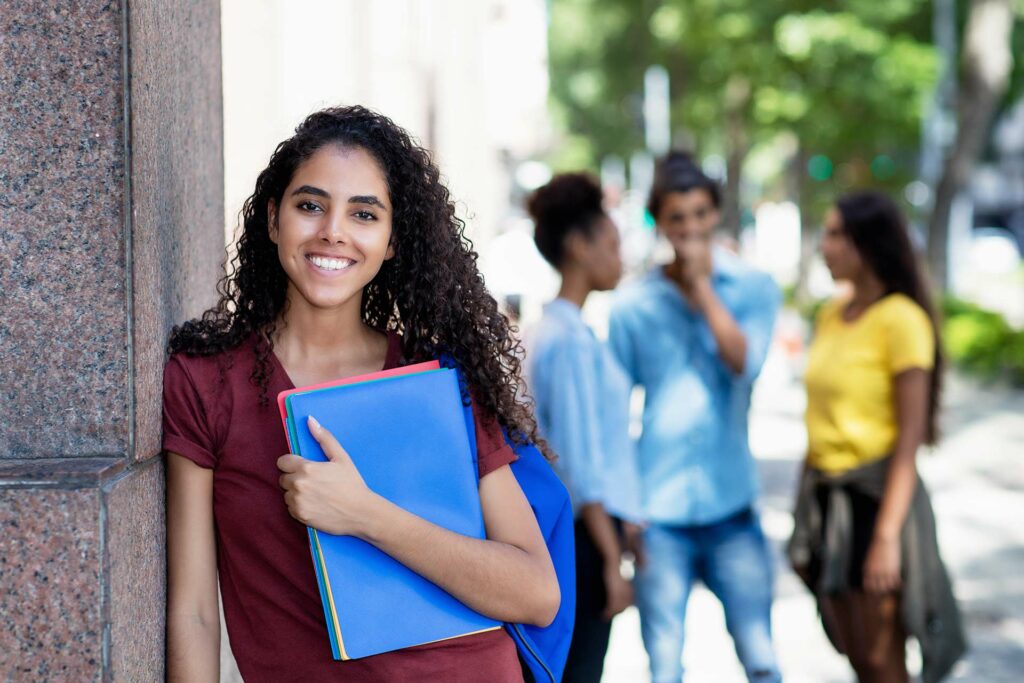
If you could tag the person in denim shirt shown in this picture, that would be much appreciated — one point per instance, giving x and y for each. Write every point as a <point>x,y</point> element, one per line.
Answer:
<point>581,398</point>
<point>695,334</point>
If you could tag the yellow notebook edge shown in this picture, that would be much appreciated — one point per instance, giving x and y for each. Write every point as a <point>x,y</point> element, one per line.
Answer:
<point>334,611</point>
<point>330,597</point>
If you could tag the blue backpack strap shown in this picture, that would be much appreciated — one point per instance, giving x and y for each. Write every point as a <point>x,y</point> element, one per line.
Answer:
<point>543,649</point>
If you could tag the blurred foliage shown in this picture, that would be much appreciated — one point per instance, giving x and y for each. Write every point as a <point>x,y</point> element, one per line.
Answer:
<point>845,83</point>
<point>982,342</point>
<point>808,309</point>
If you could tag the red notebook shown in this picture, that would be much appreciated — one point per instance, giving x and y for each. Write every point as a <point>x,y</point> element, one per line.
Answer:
<point>282,406</point>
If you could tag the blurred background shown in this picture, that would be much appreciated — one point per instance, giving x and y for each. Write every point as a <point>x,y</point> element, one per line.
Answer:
<point>788,104</point>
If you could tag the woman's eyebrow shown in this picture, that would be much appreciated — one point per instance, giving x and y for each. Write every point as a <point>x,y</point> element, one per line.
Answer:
<point>367,199</point>
<point>309,189</point>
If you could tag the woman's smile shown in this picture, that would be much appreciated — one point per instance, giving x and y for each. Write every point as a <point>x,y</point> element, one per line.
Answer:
<point>329,266</point>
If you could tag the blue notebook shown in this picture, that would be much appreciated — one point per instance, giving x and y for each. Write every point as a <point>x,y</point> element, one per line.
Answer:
<point>408,437</point>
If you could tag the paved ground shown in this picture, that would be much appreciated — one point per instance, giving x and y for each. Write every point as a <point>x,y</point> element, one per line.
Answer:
<point>976,479</point>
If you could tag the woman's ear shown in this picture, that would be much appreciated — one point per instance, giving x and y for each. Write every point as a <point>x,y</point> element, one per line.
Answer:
<point>390,253</point>
<point>575,247</point>
<point>272,220</point>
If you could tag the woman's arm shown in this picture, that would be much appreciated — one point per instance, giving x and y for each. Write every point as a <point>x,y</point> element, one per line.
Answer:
<point>882,565</point>
<point>509,576</point>
<point>193,617</point>
<point>599,524</point>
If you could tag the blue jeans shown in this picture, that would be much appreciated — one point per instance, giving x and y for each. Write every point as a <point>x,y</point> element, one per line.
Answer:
<point>731,557</point>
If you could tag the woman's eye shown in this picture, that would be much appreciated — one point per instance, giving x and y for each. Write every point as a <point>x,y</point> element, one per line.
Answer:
<point>309,206</point>
<point>365,216</point>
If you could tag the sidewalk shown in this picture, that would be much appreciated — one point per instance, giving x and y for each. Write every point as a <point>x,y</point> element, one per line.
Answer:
<point>976,480</point>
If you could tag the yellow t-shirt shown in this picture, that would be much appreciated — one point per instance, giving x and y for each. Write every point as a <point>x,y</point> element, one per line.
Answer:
<point>851,413</point>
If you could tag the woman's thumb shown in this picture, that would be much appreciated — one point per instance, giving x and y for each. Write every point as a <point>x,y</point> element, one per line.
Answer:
<point>326,440</point>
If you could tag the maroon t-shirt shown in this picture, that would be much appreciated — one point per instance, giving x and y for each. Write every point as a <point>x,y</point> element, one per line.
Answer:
<point>272,608</point>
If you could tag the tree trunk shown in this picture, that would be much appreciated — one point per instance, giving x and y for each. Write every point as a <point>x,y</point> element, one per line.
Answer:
<point>985,71</point>
<point>737,96</point>
<point>797,180</point>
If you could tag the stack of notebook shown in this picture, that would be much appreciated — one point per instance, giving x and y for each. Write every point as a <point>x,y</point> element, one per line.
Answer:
<point>406,431</point>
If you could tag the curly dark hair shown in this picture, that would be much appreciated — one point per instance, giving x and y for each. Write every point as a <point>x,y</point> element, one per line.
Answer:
<point>430,292</point>
<point>570,202</point>
<point>878,230</point>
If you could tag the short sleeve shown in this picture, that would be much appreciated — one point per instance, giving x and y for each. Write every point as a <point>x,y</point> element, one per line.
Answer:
<point>185,422</point>
<point>492,451</point>
<point>911,339</point>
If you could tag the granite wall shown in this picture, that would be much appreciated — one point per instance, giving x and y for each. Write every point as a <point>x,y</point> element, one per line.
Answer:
<point>111,206</point>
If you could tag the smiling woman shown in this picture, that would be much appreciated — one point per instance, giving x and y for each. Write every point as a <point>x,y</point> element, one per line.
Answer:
<point>350,260</point>
<point>332,224</point>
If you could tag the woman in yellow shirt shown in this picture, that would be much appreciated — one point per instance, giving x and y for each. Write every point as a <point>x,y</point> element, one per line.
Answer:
<point>864,538</point>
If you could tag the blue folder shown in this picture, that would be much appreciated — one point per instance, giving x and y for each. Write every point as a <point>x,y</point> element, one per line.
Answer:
<point>407,436</point>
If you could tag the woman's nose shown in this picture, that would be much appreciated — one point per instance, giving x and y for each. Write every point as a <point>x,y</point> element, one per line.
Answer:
<point>334,230</point>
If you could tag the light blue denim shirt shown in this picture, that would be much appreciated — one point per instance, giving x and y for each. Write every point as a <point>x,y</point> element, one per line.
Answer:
<point>582,405</point>
<point>694,459</point>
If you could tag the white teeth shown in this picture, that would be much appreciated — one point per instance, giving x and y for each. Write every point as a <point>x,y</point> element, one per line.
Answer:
<point>330,263</point>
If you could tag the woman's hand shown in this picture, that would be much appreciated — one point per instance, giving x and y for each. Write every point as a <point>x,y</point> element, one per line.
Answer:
<point>618,590</point>
<point>633,535</point>
<point>882,565</point>
<point>330,496</point>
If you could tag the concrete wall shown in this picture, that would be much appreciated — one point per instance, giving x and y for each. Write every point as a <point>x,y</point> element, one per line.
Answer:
<point>467,78</point>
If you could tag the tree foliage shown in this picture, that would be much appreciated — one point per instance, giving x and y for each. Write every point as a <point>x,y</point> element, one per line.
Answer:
<point>848,83</point>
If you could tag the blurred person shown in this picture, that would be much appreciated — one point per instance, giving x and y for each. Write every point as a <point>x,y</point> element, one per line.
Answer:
<point>694,334</point>
<point>581,400</point>
<point>864,539</point>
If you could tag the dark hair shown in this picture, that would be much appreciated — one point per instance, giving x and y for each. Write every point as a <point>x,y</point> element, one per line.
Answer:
<point>677,172</point>
<point>430,291</point>
<point>570,202</point>
<point>878,230</point>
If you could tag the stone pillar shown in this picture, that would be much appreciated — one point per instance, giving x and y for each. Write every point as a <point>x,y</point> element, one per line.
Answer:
<point>111,210</point>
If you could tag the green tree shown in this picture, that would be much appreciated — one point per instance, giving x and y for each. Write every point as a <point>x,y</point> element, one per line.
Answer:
<point>840,86</point>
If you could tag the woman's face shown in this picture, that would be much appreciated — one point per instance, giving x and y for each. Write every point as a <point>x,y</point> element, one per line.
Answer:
<point>600,255</point>
<point>333,226</point>
<point>841,256</point>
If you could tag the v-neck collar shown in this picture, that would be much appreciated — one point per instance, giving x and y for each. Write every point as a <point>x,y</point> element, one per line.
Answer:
<point>392,359</point>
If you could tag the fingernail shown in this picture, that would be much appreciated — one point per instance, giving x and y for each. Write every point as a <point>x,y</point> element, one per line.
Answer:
<point>313,424</point>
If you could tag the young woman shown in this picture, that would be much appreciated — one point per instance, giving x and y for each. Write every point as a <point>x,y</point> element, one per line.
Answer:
<point>350,261</point>
<point>864,537</point>
<point>582,401</point>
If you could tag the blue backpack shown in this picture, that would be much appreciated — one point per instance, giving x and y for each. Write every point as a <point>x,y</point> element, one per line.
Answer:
<point>543,650</point>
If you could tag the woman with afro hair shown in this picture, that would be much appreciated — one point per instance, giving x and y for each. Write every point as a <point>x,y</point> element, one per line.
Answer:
<point>582,401</point>
<point>350,261</point>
